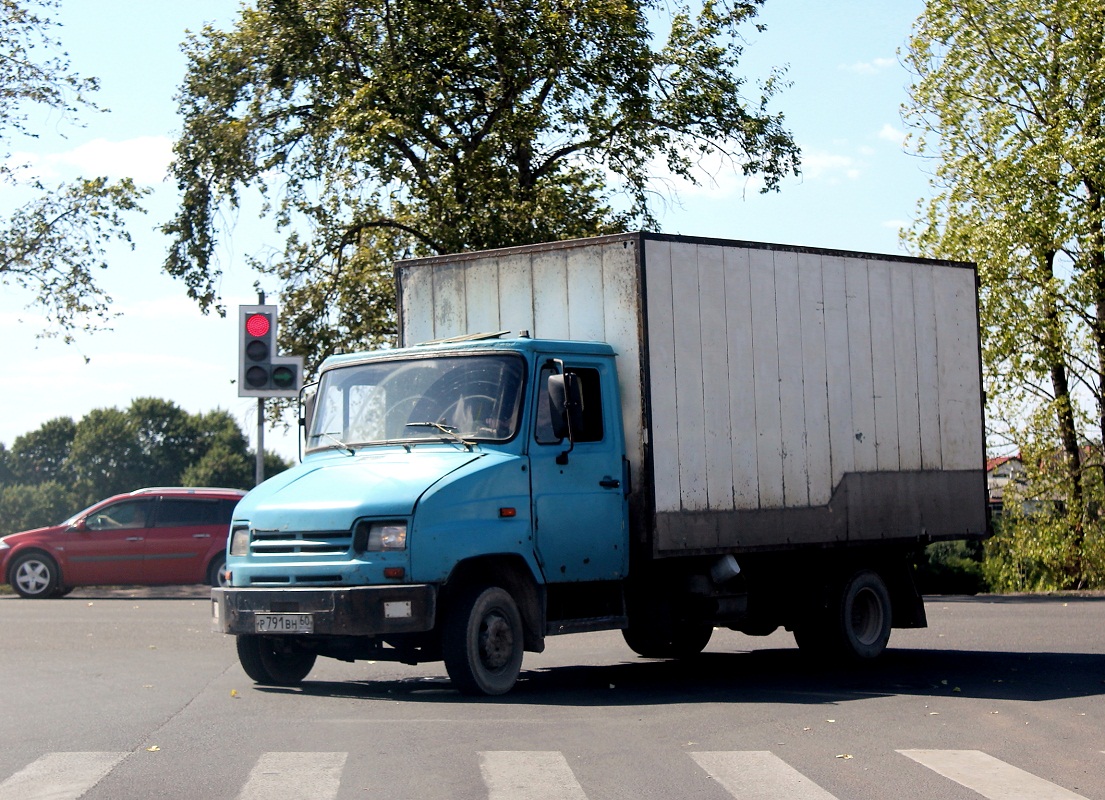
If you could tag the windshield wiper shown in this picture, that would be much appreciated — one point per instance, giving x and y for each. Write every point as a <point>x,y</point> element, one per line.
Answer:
<point>448,430</point>
<point>339,443</point>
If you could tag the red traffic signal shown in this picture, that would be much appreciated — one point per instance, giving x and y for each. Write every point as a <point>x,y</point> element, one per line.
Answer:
<point>262,373</point>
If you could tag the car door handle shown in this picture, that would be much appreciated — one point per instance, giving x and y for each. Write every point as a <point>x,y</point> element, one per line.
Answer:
<point>134,538</point>
<point>201,535</point>
<point>609,483</point>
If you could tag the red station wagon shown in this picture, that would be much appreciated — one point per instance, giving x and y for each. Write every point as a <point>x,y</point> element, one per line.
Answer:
<point>150,537</point>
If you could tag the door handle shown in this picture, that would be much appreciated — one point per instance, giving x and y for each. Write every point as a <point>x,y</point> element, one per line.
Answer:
<point>201,535</point>
<point>609,483</point>
<point>134,538</point>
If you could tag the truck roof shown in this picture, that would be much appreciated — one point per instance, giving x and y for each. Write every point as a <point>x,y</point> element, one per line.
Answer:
<point>477,343</point>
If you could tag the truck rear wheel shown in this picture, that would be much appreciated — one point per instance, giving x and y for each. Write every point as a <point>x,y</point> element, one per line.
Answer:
<point>482,642</point>
<point>856,624</point>
<point>269,661</point>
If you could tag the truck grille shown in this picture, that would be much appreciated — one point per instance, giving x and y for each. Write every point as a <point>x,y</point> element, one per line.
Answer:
<point>314,543</point>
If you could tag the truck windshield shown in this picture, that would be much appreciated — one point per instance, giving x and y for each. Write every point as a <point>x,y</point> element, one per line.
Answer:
<point>477,397</point>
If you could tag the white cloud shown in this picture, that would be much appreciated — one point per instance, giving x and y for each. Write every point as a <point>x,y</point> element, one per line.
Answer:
<point>872,67</point>
<point>145,159</point>
<point>891,134</point>
<point>829,166</point>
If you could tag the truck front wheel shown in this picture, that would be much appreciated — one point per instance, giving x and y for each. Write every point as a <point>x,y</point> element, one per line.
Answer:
<point>856,624</point>
<point>482,642</point>
<point>269,661</point>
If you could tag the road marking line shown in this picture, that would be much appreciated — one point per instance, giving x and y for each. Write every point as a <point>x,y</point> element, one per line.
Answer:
<point>59,776</point>
<point>989,776</point>
<point>529,775</point>
<point>294,776</point>
<point>759,775</point>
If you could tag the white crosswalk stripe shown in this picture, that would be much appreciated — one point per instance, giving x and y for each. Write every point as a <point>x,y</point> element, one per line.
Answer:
<point>539,775</point>
<point>988,776</point>
<point>759,775</point>
<point>295,776</point>
<point>59,776</point>
<point>529,775</point>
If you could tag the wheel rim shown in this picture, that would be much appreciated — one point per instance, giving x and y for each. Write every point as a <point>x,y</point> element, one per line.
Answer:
<point>867,617</point>
<point>33,577</point>
<point>496,641</point>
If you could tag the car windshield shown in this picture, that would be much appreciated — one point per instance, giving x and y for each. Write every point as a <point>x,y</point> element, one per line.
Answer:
<point>476,397</point>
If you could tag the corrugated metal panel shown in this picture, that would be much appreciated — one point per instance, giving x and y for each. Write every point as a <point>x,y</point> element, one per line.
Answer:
<point>775,373</point>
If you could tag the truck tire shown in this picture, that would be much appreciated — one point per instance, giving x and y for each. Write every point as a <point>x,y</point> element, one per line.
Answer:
<point>668,641</point>
<point>268,661</point>
<point>856,624</point>
<point>482,642</point>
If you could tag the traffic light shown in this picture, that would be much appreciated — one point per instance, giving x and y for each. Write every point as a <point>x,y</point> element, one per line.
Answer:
<point>261,372</point>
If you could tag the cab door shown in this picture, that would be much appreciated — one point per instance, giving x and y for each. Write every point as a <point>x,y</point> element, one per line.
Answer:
<point>579,492</point>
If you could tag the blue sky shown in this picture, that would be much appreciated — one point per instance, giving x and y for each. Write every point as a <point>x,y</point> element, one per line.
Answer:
<point>858,188</point>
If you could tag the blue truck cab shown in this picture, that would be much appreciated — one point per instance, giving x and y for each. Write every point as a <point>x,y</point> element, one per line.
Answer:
<point>456,501</point>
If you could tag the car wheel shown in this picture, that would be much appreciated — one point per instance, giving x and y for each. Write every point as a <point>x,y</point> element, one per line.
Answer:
<point>35,575</point>
<point>271,661</point>
<point>482,642</point>
<point>216,571</point>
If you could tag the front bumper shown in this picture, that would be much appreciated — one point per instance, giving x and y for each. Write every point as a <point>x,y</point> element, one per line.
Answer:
<point>352,611</point>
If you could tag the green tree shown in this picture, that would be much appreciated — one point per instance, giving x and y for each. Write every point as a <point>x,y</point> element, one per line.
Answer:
<point>41,455</point>
<point>413,127</point>
<point>1008,100</point>
<point>27,506</point>
<point>106,457</point>
<point>52,247</point>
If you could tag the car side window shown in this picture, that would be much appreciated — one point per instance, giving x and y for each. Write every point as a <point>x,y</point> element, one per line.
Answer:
<point>178,513</point>
<point>592,406</point>
<point>125,515</point>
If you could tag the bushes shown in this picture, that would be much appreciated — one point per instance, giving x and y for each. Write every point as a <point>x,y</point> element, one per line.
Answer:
<point>1041,552</point>
<point>1044,552</point>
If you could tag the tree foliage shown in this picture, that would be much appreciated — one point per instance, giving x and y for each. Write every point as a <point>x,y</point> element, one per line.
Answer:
<point>1008,101</point>
<point>64,466</point>
<point>53,246</point>
<point>379,129</point>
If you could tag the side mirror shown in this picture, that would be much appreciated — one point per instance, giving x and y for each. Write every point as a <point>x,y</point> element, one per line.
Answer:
<point>78,527</point>
<point>566,408</point>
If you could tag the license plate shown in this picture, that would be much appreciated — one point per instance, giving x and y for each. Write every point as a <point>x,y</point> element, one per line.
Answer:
<point>283,623</point>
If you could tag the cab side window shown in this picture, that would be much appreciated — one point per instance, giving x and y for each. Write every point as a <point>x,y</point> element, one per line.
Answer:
<point>592,406</point>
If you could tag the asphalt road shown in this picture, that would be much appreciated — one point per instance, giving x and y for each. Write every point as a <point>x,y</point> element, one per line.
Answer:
<point>121,694</point>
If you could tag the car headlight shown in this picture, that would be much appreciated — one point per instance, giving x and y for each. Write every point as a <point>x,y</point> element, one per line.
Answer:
<point>4,545</point>
<point>375,537</point>
<point>239,541</point>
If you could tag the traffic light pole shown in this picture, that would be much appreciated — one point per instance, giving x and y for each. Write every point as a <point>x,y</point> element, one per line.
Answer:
<point>259,470</point>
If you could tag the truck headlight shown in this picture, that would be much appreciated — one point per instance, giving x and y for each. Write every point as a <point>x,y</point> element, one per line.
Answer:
<point>239,541</point>
<point>374,537</point>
